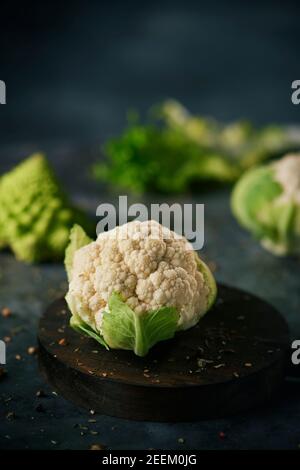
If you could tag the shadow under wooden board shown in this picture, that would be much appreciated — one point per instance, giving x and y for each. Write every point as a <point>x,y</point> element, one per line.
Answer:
<point>234,359</point>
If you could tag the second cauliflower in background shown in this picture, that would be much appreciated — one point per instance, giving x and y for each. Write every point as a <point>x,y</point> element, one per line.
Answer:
<point>266,201</point>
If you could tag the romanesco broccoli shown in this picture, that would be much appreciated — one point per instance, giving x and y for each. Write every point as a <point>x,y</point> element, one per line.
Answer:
<point>35,214</point>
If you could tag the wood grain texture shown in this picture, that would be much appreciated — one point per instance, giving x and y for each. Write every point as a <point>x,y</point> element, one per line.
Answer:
<point>231,361</point>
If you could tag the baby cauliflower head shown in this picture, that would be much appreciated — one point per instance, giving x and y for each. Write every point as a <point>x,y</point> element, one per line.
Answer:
<point>140,274</point>
<point>266,201</point>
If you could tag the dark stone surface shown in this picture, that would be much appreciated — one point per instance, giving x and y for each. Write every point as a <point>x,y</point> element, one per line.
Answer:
<point>28,289</point>
<point>71,72</point>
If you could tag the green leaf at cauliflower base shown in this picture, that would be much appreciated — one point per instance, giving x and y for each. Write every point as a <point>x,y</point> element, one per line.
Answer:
<point>122,328</point>
<point>251,198</point>
<point>81,327</point>
<point>282,240</point>
<point>209,281</point>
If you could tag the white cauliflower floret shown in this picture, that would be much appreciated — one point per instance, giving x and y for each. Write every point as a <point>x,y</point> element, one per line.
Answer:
<point>287,173</point>
<point>148,265</point>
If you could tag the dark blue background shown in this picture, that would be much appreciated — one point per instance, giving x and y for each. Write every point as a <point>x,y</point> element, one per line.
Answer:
<point>74,68</point>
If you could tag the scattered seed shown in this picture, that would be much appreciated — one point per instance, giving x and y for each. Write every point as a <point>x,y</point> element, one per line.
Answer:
<point>97,447</point>
<point>270,351</point>
<point>40,394</point>
<point>94,433</point>
<point>32,350</point>
<point>92,420</point>
<point>77,349</point>
<point>18,357</point>
<point>92,412</point>
<point>236,374</point>
<point>84,428</point>
<point>90,372</point>
<point>6,312</point>
<point>53,442</point>
<point>147,376</point>
<point>104,374</point>
<point>146,370</point>
<point>217,366</point>
<point>95,352</point>
<point>248,364</point>
<point>63,342</point>
<point>10,415</point>
<point>202,362</point>
<point>241,317</point>
<point>181,440</point>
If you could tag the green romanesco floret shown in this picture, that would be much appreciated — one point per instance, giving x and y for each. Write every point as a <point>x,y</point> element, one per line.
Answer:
<point>35,215</point>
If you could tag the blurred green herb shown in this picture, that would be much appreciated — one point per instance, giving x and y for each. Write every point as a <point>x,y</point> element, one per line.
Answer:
<point>175,150</point>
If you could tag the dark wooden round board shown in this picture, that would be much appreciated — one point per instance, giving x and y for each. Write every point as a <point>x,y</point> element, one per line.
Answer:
<point>232,360</point>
